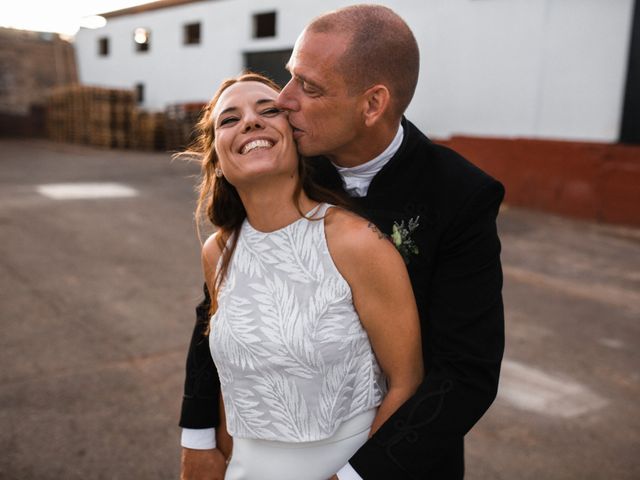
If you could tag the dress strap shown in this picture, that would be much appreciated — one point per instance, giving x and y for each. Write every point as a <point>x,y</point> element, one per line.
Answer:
<point>320,210</point>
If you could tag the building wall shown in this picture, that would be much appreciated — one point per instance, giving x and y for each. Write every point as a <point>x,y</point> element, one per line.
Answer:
<point>530,68</point>
<point>533,68</point>
<point>587,180</point>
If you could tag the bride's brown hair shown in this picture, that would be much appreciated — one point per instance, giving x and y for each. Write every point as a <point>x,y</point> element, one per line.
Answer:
<point>218,200</point>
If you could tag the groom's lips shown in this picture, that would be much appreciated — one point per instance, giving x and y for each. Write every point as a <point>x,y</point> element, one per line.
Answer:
<point>297,133</point>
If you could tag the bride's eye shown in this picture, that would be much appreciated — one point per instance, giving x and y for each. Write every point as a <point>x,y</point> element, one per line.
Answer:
<point>227,120</point>
<point>271,111</point>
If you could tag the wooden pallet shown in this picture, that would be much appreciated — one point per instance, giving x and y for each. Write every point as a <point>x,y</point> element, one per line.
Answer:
<point>91,115</point>
<point>180,122</point>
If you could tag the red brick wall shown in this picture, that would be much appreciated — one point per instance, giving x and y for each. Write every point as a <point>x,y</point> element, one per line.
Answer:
<point>585,180</point>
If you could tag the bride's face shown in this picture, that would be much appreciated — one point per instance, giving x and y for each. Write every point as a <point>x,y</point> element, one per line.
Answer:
<point>253,138</point>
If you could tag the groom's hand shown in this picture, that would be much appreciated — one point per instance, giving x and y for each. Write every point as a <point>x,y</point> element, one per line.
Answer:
<point>202,464</point>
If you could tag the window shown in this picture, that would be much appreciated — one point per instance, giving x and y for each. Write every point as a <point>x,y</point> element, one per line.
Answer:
<point>264,25</point>
<point>192,34</point>
<point>270,64</point>
<point>139,92</point>
<point>103,46</point>
<point>142,38</point>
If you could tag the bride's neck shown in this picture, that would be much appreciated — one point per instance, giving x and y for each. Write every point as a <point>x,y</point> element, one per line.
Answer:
<point>270,207</point>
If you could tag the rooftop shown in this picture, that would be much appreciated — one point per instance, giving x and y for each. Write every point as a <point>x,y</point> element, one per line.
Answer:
<point>147,7</point>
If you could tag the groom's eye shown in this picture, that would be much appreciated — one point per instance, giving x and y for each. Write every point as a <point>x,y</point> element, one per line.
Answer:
<point>308,88</point>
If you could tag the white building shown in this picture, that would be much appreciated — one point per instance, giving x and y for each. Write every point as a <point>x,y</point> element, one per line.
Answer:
<point>530,68</point>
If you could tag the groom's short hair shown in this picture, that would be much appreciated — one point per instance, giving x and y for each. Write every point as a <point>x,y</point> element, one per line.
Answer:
<point>382,50</point>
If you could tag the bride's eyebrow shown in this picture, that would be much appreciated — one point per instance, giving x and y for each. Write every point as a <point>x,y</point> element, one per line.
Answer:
<point>265,100</point>
<point>258,102</point>
<point>227,110</point>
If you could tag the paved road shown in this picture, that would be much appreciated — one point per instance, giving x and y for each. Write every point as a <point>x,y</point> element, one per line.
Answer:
<point>96,308</point>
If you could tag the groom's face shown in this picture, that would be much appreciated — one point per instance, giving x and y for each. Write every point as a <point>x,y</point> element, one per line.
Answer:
<point>325,116</point>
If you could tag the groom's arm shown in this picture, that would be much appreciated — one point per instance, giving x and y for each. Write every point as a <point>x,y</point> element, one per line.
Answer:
<point>200,407</point>
<point>466,338</point>
<point>201,385</point>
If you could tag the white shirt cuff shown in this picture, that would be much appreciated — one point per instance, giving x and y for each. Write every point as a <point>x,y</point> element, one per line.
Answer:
<point>198,438</point>
<point>348,473</point>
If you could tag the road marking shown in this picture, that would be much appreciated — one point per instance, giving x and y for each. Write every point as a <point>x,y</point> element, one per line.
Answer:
<point>531,389</point>
<point>75,191</point>
<point>607,294</point>
<point>611,343</point>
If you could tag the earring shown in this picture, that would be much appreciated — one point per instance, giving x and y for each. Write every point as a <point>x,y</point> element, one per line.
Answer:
<point>218,172</point>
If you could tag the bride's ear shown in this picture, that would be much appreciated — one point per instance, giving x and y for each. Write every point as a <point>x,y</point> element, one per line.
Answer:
<point>376,102</point>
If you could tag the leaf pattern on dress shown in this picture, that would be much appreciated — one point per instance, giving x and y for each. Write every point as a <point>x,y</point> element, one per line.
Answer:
<point>336,384</point>
<point>287,405</point>
<point>369,384</point>
<point>284,326</point>
<point>292,355</point>
<point>233,324</point>
<point>328,307</point>
<point>298,257</point>
<point>242,412</point>
<point>253,258</point>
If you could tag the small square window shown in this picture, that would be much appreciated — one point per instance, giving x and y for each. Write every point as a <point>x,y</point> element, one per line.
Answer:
<point>103,46</point>
<point>142,39</point>
<point>192,34</point>
<point>139,92</point>
<point>264,25</point>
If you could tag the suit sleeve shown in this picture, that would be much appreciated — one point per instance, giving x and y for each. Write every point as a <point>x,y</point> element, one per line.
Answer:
<point>464,332</point>
<point>201,385</point>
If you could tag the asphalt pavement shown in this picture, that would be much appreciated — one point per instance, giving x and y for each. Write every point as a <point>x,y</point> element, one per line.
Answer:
<point>100,274</point>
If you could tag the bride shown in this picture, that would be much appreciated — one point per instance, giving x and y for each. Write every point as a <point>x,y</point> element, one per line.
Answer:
<point>314,328</point>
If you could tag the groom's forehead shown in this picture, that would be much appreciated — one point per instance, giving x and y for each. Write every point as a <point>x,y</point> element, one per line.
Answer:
<point>316,56</point>
<point>319,47</point>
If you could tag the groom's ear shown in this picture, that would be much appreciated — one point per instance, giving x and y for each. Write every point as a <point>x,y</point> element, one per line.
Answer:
<point>376,102</point>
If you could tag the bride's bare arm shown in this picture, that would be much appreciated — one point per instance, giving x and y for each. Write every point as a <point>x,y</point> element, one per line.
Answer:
<point>210,255</point>
<point>383,298</point>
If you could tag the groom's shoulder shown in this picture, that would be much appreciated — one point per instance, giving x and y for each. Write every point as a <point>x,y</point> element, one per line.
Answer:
<point>443,167</point>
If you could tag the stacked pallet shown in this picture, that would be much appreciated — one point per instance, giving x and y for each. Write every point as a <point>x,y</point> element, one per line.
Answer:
<point>108,118</point>
<point>122,111</point>
<point>148,130</point>
<point>57,116</point>
<point>180,122</point>
<point>30,64</point>
<point>91,115</point>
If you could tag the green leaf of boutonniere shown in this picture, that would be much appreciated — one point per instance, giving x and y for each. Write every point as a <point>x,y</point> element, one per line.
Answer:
<point>401,238</point>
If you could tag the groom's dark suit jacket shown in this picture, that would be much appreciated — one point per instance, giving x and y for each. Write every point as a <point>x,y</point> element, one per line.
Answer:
<point>457,280</point>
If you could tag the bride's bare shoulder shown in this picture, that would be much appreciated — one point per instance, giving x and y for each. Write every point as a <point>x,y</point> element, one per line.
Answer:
<point>351,236</point>
<point>212,249</point>
<point>342,218</point>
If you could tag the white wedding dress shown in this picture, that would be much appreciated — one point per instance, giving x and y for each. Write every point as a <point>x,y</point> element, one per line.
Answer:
<point>300,382</point>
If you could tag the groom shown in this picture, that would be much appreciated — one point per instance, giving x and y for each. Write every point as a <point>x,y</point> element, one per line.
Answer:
<point>354,72</point>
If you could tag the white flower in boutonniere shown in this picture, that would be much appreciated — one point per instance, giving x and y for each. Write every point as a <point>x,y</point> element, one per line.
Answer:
<point>401,238</point>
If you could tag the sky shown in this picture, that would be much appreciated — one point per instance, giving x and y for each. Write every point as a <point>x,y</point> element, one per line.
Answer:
<point>61,16</point>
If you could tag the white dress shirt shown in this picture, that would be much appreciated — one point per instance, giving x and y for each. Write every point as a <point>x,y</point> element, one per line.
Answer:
<point>198,438</point>
<point>356,181</point>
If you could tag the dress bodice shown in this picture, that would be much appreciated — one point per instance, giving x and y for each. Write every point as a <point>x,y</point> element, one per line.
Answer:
<point>293,357</point>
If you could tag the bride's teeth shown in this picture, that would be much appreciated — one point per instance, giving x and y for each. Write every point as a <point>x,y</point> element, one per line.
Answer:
<point>256,144</point>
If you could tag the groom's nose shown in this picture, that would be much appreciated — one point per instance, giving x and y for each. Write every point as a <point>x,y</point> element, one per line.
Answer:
<point>287,99</point>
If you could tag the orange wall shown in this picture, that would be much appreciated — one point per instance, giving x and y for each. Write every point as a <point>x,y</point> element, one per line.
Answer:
<point>585,180</point>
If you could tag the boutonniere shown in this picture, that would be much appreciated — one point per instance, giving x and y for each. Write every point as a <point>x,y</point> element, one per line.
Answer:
<point>401,238</point>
